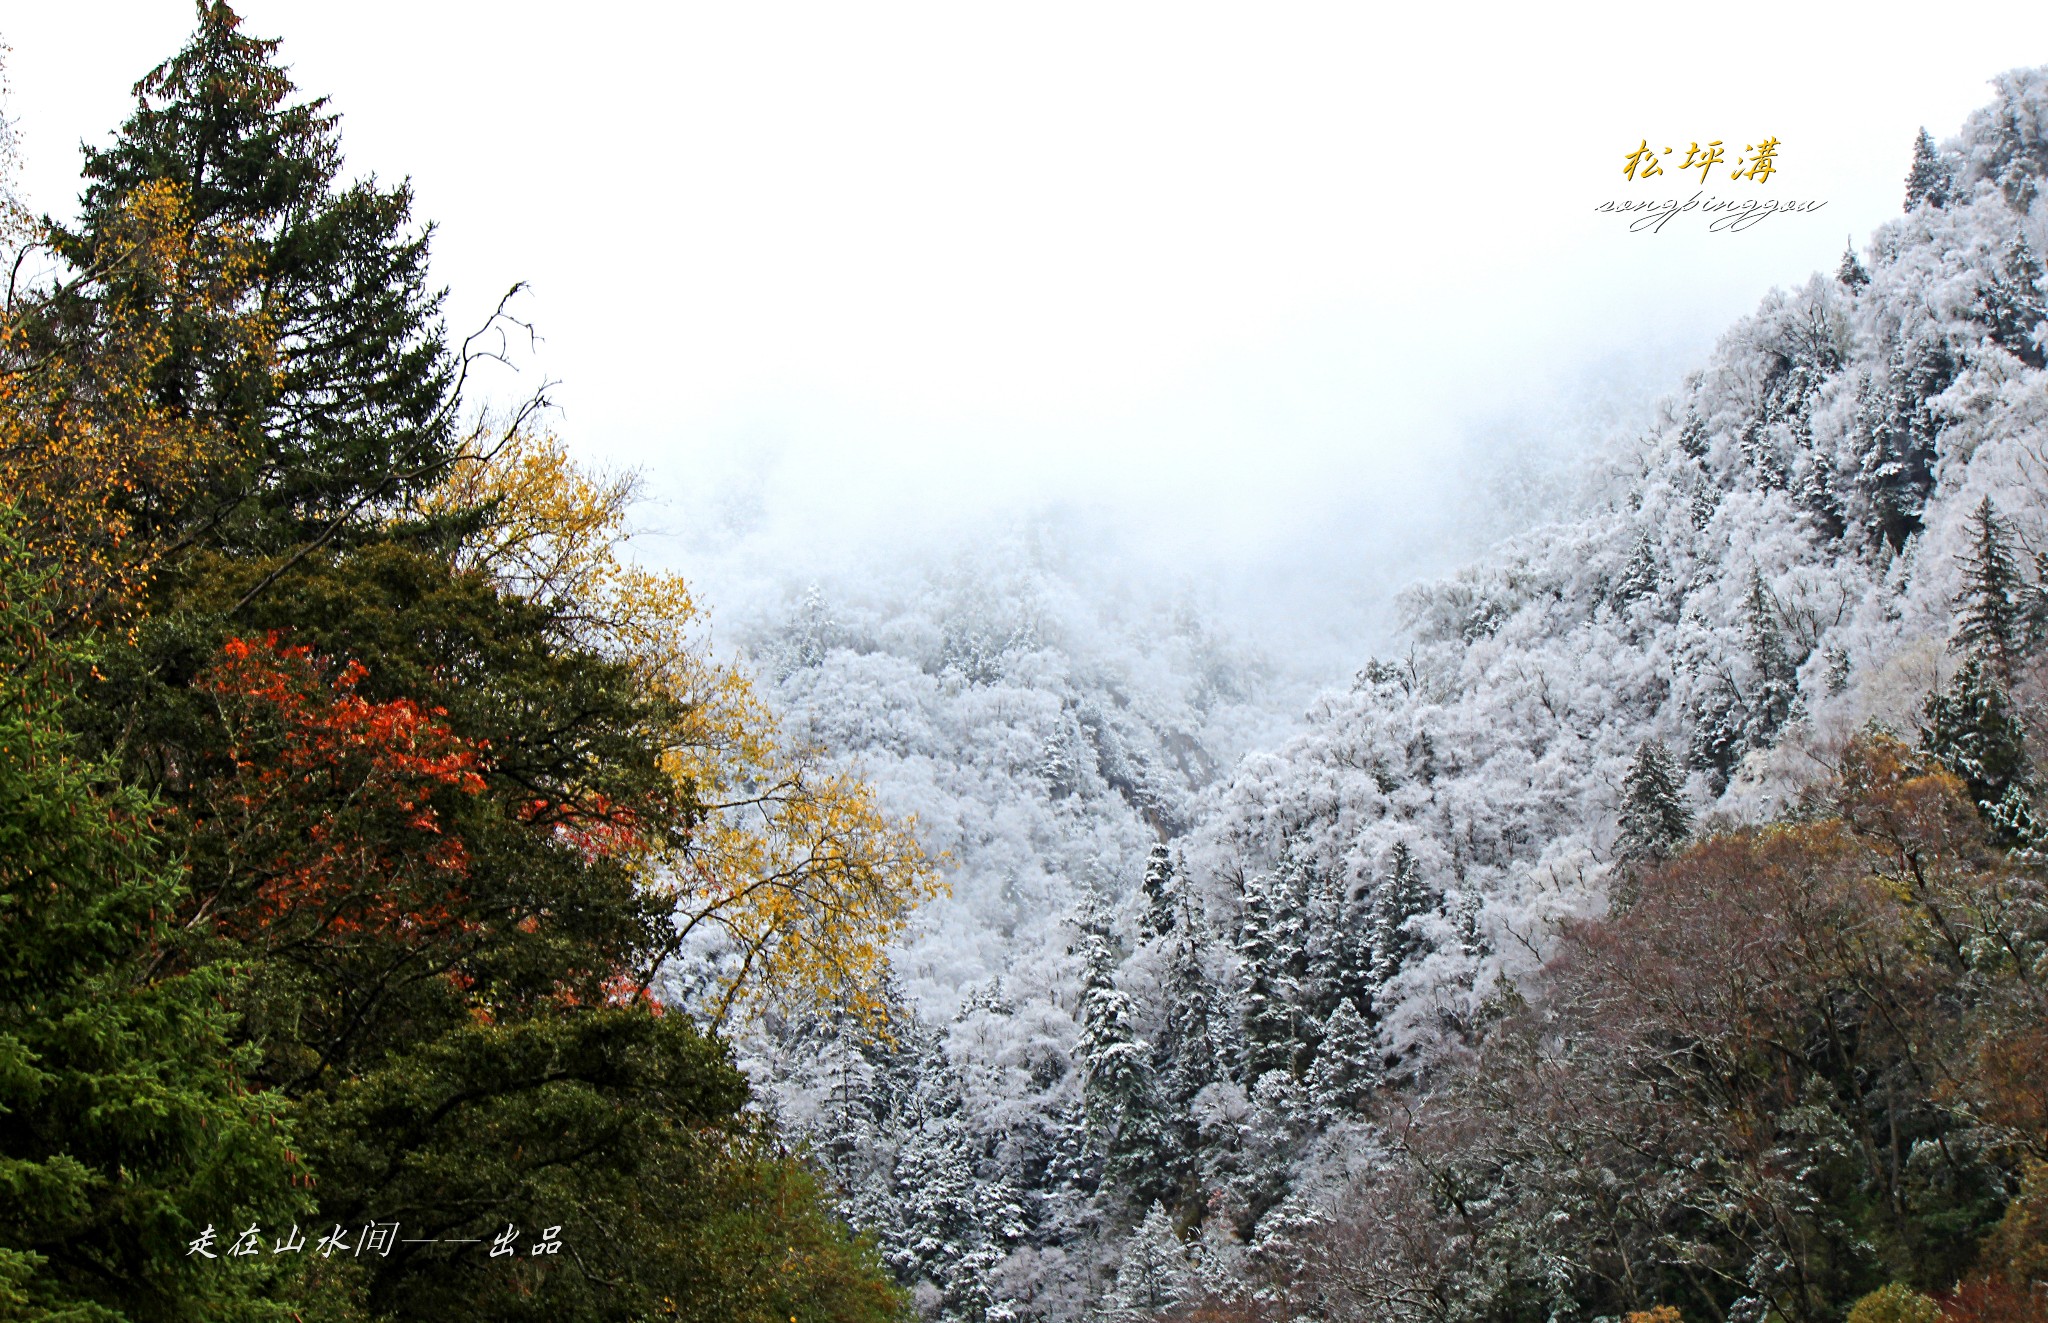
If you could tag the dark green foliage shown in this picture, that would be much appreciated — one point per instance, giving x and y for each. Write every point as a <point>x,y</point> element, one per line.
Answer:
<point>617,1126</point>
<point>128,1126</point>
<point>380,888</point>
<point>1971,729</point>
<point>355,414</point>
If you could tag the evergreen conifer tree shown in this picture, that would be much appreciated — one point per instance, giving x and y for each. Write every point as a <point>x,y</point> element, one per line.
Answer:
<point>1639,577</point>
<point>1775,691</point>
<point>1119,1098</point>
<point>1195,1054</point>
<point>1157,916</point>
<point>1851,271</point>
<point>1153,1275</point>
<point>1928,179</point>
<point>352,411</point>
<point>1971,728</point>
<point>1991,604</point>
<point>1272,956</point>
<point>129,1134</point>
<point>1654,819</point>
<point>2012,307</point>
<point>943,1220</point>
<point>1347,1064</point>
<point>1336,957</point>
<point>1400,897</point>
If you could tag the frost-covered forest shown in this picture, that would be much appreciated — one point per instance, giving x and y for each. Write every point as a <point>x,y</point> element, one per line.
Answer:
<point>1658,923</point>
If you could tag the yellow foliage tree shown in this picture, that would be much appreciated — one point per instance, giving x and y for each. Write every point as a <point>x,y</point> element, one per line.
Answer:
<point>791,870</point>
<point>87,451</point>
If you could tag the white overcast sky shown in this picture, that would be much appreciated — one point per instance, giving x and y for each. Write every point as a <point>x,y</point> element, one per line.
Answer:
<point>1229,269</point>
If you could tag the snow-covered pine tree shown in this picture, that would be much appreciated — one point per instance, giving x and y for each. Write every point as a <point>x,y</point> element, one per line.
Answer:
<point>939,1240</point>
<point>2011,307</point>
<point>1190,1056</point>
<point>1274,958</point>
<point>1775,687</point>
<point>1851,272</point>
<point>2016,169</point>
<point>1399,897</point>
<point>1120,1104</point>
<point>1990,608</point>
<point>1337,958</point>
<point>1654,819</point>
<point>1972,730</point>
<point>1928,179</point>
<point>1154,1274</point>
<point>1156,918</point>
<point>1347,1064</point>
<point>1893,457</point>
<point>1639,577</point>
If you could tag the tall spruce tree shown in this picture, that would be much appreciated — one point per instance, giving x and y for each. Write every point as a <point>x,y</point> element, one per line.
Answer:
<point>1970,726</point>
<point>1928,179</point>
<point>1190,1056</point>
<point>1399,897</point>
<point>1347,1064</point>
<point>1775,684</point>
<point>351,413</point>
<point>1991,605</point>
<point>1271,955</point>
<point>1153,1274</point>
<point>944,1211</point>
<point>1157,890</point>
<point>1120,1099</point>
<point>1654,819</point>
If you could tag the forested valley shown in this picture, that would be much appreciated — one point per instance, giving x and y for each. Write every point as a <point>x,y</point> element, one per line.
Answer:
<point>1657,931</point>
